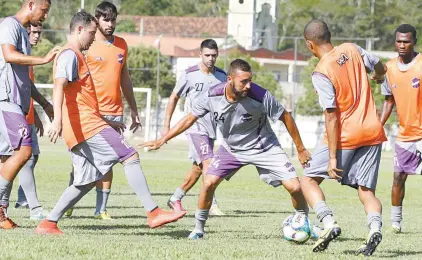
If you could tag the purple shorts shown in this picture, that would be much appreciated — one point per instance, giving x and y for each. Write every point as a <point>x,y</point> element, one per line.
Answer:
<point>273,165</point>
<point>95,157</point>
<point>200,147</point>
<point>14,130</point>
<point>407,157</point>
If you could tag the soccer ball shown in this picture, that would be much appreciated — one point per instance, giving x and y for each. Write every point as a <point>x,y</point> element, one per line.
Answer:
<point>297,228</point>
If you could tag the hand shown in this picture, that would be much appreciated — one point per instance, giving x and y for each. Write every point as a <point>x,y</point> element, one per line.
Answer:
<point>332,169</point>
<point>49,110</point>
<point>119,127</point>
<point>55,131</point>
<point>379,78</point>
<point>39,126</point>
<point>136,122</point>
<point>152,145</point>
<point>304,157</point>
<point>51,54</point>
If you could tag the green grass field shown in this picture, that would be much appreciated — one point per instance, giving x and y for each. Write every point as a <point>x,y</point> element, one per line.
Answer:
<point>251,229</point>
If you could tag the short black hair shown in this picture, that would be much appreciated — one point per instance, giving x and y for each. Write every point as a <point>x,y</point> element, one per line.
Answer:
<point>106,10</point>
<point>209,44</point>
<point>406,28</point>
<point>81,18</point>
<point>317,31</point>
<point>239,64</point>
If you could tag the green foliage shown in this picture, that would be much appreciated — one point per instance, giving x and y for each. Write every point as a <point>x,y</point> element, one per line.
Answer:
<point>260,75</point>
<point>201,8</point>
<point>146,59</point>
<point>9,7</point>
<point>43,73</point>
<point>308,104</point>
<point>350,18</point>
<point>127,26</point>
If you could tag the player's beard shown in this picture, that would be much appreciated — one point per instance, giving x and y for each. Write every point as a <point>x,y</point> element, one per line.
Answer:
<point>239,94</point>
<point>107,33</point>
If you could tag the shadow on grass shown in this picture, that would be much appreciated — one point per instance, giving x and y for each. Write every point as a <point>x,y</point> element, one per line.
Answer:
<point>153,194</point>
<point>397,253</point>
<point>387,253</point>
<point>346,239</point>
<point>108,207</point>
<point>110,226</point>
<point>260,212</point>
<point>182,234</point>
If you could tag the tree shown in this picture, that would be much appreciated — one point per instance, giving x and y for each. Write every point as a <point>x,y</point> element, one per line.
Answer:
<point>43,73</point>
<point>200,8</point>
<point>260,76</point>
<point>8,7</point>
<point>143,60</point>
<point>350,18</point>
<point>127,26</point>
<point>308,104</point>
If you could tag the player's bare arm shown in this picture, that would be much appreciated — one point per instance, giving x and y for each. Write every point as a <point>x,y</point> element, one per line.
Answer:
<point>127,89</point>
<point>331,125</point>
<point>289,122</point>
<point>387,107</point>
<point>171,106</point>
<point>179,128</point>
<point>58,95</point>
<point>38,124</point>
<point>379,72</point>
<point>40,99</point>
<point>11,55</point>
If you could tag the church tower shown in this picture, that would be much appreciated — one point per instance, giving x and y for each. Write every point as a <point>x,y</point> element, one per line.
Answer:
<point>253,23</point>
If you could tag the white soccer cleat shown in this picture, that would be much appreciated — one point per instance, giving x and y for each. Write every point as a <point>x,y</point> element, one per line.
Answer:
<point>215,211</point>
<point>396,228</point>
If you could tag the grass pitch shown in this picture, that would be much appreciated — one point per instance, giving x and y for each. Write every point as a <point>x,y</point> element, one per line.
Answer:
<point>251,229</point>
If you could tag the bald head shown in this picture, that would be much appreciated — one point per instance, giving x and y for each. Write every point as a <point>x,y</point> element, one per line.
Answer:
<point>317,32</point>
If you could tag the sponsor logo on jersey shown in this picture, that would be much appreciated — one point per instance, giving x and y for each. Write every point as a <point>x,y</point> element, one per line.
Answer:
<point>415,83</point>
<point>246,117</point>
<point>343,58</point>
<point>120,58</point>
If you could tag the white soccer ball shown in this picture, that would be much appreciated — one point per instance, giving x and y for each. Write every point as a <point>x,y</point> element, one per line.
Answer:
<point>297,228</point>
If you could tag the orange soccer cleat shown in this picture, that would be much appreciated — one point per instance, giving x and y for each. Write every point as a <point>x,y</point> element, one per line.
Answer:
<point>158,217</point>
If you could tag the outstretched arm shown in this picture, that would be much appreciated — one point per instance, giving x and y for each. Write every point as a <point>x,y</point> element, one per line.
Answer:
<point>289,122</point>
<point>11,55</point>
<point>179,128</point>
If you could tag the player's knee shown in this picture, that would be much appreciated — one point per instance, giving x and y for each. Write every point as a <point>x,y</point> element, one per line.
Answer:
<point>399,179</point>
<point>210,184</point>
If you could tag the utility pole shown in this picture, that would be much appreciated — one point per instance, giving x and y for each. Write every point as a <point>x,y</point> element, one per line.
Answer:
<point>157,89</point>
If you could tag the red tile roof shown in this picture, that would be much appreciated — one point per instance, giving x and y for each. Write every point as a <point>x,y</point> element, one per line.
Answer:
<point>180,26</point>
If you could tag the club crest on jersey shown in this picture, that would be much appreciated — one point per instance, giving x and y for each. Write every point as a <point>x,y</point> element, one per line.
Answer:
<point>415,83</point>
<point>343,58</point>
<point>120,58</point>
<point>246,117</point>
